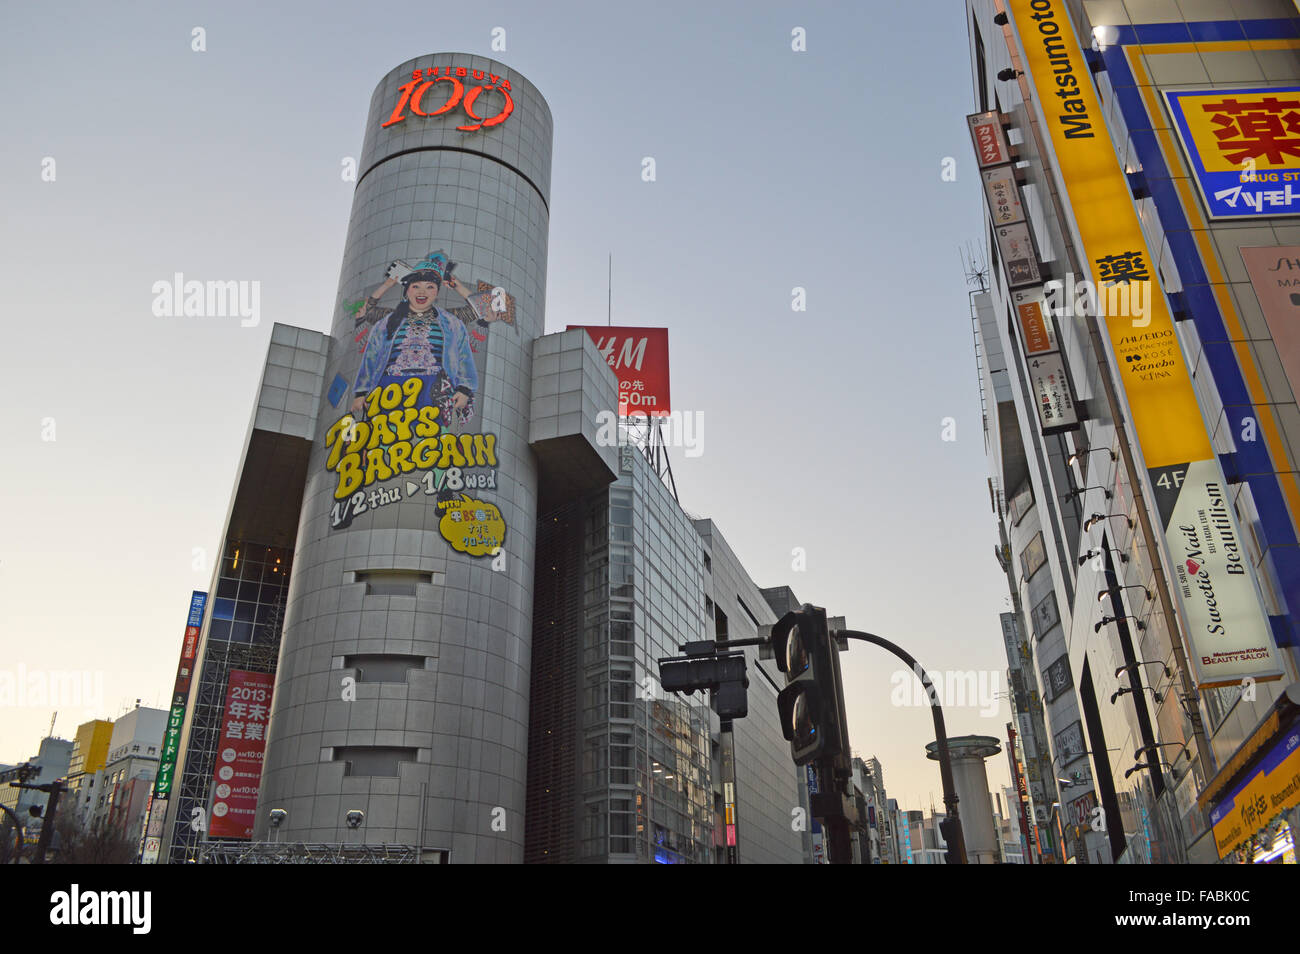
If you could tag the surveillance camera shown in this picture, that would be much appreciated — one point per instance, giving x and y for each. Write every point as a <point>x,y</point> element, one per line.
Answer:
<point>355,818</point>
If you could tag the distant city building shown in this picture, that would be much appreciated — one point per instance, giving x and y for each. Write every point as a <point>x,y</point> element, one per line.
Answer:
<point>129,771</point>
<point>89,753</point>
<point>1009,836</point>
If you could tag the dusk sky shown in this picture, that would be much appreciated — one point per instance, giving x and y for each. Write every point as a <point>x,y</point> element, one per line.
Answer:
<point>776,169</point>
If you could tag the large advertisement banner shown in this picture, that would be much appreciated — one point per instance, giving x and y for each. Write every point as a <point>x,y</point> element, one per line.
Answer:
<point>1275,276</point>
<point>1224,614</point>
<point>1243,147</point>
<point>238,773</point>
<point>411,422</point>
<point>639,359</point>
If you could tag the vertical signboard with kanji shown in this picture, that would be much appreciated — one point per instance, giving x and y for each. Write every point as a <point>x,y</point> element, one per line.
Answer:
<point>171,742</point>
<point>1043,363</point>
<point>238,772</point>
<point>989,138</point>
<point>180,694</point>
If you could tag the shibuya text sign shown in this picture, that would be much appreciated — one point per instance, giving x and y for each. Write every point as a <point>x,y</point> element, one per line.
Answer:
<point>413,96</point>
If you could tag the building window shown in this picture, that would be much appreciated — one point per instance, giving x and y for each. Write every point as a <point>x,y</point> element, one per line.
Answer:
<point>383,667</point>
<point>373,760</point>
<point>1032,557</point>
<point>392,582</point>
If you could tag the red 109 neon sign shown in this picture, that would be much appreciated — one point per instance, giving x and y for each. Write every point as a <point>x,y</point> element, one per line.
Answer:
<point>413,93</point>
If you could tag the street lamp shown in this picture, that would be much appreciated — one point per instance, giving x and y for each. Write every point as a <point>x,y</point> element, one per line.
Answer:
<point>1127,689</point>
<point>1080,455</point>
<point>1131,666</point>
<point>1097,518</point>
<point>1115,619</point>
<point>1097,551</point>
<point>1083,490</point>
<point>1132,586</point>
<point>278,815</point>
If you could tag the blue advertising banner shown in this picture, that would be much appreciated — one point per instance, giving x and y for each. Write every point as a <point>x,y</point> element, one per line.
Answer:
<point>1243,147</point>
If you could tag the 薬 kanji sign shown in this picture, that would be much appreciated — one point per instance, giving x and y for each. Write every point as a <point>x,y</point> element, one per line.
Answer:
<point>1243,147</point>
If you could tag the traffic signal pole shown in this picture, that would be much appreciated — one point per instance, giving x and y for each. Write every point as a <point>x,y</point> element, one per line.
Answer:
<point>53,789</point>
<point>956,843</point>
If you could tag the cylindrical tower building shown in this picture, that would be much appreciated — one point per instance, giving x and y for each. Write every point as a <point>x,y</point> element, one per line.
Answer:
<point>402,687</point>
<point>971,781</point>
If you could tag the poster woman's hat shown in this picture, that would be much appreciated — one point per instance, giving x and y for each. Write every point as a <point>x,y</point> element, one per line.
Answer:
<point>432,268</point>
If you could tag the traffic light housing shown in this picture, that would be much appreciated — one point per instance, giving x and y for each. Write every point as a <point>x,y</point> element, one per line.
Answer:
<point>723,674</point>
<point>811,705</point>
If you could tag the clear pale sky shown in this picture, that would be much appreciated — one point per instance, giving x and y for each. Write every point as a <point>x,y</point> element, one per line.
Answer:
<point>775,169</point>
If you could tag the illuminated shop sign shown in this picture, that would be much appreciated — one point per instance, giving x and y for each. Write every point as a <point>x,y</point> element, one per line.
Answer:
<point>1273,786</point>
<point>422,98</point>
<point>1243,147</point>
<point>989,139</point>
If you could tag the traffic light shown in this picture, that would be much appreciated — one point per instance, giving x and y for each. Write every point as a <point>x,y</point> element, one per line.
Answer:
<point>723,674</point>
<point>811,705</point>
<point>948,829</point>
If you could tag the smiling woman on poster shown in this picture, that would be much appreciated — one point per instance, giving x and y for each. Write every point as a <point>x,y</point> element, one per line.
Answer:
<point>419,339</point>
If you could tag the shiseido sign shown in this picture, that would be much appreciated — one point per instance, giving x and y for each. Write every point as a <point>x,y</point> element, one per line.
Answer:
<point>457,87</point>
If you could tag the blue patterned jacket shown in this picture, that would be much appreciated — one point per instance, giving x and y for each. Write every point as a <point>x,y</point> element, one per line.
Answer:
<point>457,358</point>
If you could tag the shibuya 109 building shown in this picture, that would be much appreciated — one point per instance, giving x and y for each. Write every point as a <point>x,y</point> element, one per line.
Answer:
<point>362,676</point>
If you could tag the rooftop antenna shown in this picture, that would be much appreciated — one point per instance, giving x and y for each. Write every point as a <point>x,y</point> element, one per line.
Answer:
<point>975,264</point>
<point>609,314</point>
<point>50,734</point>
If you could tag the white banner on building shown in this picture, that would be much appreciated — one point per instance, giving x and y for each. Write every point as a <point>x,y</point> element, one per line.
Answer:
<point>1229,632</point>
<point>1051,392</point>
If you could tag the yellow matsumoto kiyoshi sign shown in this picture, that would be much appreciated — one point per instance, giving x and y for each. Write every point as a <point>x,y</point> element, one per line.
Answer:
<point>1228,632</point>
<point>1155,378</point>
